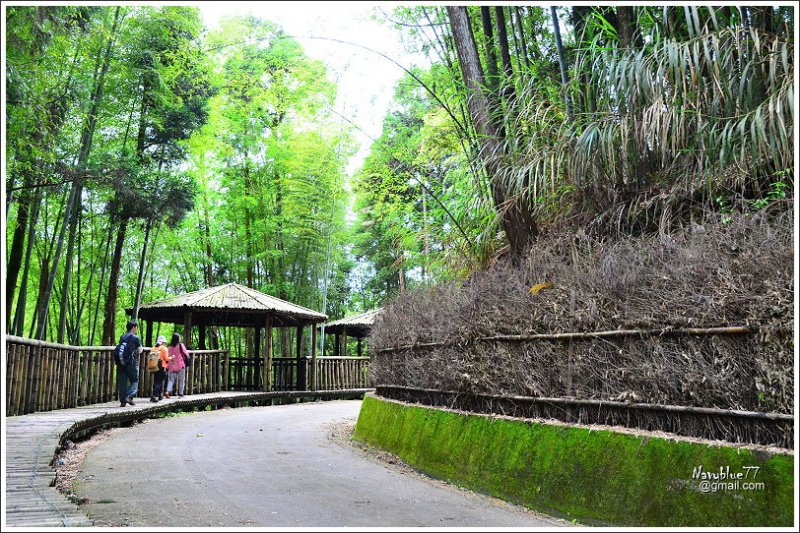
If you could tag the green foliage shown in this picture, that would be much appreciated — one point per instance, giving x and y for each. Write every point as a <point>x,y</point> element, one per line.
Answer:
<point>413,225</point>
<point>214,152</point>
<point>778,190</point>
<point>224,143</point>
<point>695,100</point>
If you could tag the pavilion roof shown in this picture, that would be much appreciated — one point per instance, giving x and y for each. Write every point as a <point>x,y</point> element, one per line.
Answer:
<point>229,304</point>
<point>358,325</point>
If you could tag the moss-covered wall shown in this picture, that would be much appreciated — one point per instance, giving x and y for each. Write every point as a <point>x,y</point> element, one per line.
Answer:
<point>596,477</point>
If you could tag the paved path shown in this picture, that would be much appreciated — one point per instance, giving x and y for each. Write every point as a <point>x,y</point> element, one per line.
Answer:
<point>268,466</point>
<point>31,442</point>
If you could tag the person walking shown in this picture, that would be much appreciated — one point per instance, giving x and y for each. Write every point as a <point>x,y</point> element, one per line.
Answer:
<point>158,375</point>
<point>177,365</point>
<point>126,357</point>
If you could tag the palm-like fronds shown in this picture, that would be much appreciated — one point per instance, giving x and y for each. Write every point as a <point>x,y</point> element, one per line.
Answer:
<point>672,113</point>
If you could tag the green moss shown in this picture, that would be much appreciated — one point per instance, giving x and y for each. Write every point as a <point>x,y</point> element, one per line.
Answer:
<point>597,477</point>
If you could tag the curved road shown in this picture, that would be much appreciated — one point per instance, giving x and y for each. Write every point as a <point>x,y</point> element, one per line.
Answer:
<point>265,467</point>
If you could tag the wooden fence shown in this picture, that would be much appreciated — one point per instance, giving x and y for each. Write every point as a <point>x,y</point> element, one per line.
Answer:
<point>336,373</point>
<point>748,427</point>
<point>333,373</point>
<point>43,376</point>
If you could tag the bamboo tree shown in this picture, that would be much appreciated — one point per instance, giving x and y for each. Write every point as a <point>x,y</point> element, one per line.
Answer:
<point>517,220</point>
<point>28,209</point>
<point>562,62</point>
<point>74,202</point>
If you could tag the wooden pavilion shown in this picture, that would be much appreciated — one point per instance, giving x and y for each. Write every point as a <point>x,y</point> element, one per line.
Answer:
<point>359,326</point>
<point>238,306</point>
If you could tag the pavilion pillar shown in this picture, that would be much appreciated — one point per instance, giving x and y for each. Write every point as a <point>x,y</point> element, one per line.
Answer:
<point>187,328</point>
<point>202,331</point>
<point>259,374</point>
<point>301,361</point>
<point>148,335</point>
<point>336,346</point>
<point>343,349</point>
<point>359,346</point>
<point>266,382</point>
<point>313,357</point>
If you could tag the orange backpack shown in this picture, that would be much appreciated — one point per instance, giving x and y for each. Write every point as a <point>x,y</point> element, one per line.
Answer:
<point>154,361</point>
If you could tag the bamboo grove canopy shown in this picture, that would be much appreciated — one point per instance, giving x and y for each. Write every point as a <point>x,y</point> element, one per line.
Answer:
<point>228,305</point>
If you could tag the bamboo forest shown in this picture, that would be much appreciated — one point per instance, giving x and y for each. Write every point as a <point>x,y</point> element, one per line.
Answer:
<point>400,265</point>
<point>148,155</point>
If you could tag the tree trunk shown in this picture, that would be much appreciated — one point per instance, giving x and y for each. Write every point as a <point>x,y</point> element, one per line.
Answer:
<point>110,319</point>
<point>209,270</point>
<point>401,273</point>
<point>100,287</point>
<point>44,265</point>
<point>502,38</point>
<point>62,320</point>
<point>148,225</point>
<point>517,46</point>
<point>17,243</point>
<point>19,315</point>
<point>523,42</point>
<point>50,278</point>
<point>562,62</point>
<point>517,220</point>
<point>489,47</point>
<point>427,242</point>
<point>629,37</point>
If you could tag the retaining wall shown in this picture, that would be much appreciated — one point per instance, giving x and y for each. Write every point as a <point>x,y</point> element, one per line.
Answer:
<point>593,476</point>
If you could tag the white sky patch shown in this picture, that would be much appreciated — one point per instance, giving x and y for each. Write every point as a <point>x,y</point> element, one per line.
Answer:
<point>365,79</point>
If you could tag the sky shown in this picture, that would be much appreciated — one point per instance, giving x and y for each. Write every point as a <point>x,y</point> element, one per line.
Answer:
<point>365,79</point>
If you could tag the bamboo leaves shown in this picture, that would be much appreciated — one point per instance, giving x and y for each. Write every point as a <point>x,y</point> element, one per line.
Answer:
<point>671,107</point>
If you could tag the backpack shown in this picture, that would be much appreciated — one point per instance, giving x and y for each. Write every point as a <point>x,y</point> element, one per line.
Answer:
<point>153,363</point>
<point>187,359</point>
<point>123,353</point>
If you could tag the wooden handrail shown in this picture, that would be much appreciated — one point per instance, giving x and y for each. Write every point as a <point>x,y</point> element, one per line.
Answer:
<point>607,403</point>
<point>727,330</point>
<point>46,344</point>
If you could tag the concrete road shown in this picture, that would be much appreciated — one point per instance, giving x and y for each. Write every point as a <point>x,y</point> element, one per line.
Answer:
<point>265,467</point>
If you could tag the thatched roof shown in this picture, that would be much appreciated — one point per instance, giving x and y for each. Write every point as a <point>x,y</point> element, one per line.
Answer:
<point>228,305</point>
<point>357,326</point>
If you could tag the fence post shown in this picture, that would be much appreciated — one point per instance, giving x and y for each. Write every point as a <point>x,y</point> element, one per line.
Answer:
<point>266,381</point>
<point>301,361</point>
<point>313,357</point>
<point>227,370</point>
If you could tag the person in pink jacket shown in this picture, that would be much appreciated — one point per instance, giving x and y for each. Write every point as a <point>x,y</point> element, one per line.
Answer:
<point>177,365</point>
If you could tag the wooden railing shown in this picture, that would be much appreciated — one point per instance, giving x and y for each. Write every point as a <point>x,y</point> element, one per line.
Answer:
<point>750,427</point>
<point>333,373</point>
<point>245,373</point>
<point>284,374</point>
<point>43,376</point>
<point>208,371</point>
<point>336,373</point>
